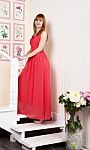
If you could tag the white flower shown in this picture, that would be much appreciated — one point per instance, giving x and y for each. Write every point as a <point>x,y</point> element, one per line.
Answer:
<point>65,97</point>
<point>74,97</point>
<point>67,94</point>
<point>78,104</point>
<point>82,101</point>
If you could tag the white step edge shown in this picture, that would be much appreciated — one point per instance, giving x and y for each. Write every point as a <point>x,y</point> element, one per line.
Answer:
<point>20,116</point>
<point>33,126</point>
<point>37,141</point>
<point>7,109</point>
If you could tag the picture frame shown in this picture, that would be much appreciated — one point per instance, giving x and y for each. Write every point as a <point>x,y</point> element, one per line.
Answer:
<point>5,31</point>
<point>4,9</point>
<point>19,11</point>
<point>18,49</point>
<point>19,32</point>
<point>5,47</point>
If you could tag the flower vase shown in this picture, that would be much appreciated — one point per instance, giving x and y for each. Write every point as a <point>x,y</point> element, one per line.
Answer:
<point>74,140</point>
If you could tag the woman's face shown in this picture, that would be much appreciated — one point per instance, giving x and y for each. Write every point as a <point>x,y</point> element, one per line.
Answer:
<point>39,23</point>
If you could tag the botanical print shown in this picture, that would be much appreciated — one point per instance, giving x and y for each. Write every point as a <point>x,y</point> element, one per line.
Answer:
<point>5,47</point>
<point>4,9</point>
<point>19,11</point>
<point>19,32</point>
<point>18,49</point>
<point>4,31</point>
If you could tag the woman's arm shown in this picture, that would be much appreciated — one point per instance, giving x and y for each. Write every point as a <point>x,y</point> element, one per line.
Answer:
<point>23,57</point>
<point>27,53</point>
<point>40,47</point>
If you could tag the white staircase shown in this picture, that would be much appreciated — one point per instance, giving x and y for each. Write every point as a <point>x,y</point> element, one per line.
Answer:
<point>19,131</point>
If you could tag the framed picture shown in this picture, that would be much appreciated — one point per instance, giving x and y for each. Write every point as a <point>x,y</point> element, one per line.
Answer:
<point>18,49</point>
<point>19,32</point>
<point>19,11</point>
<point>4,31</point>
<point>5,9</point>
<point>5,47</point>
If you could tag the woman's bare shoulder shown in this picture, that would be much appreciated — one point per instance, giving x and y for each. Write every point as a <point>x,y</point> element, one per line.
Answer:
<point>44,33</point>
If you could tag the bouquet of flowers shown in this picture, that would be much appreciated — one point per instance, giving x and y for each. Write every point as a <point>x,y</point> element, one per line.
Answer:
<point>74,102</point>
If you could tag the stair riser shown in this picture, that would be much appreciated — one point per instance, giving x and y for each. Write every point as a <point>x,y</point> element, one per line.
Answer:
<point>25,148</point>
<point>18,136</point>
<point>42,132</point>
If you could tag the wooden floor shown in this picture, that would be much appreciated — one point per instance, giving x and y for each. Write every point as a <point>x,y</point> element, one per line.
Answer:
<point>5,144</point>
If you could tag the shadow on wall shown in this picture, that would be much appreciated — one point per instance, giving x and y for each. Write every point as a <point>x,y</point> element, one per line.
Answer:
<point>49,52</point>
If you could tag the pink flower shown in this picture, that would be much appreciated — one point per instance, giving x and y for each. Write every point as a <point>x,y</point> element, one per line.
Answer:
<point>86,95</point>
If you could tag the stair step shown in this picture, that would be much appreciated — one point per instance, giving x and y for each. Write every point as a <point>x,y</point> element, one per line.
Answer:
<point>32,126</point>
<point>19,116</point>
<point>37,141</point>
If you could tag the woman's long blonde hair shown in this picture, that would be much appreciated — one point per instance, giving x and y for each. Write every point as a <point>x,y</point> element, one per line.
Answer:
<point>44,23</point>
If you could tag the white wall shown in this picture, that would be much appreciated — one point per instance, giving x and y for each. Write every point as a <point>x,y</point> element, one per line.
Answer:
<point>76,44</point>
<point>76,53</point>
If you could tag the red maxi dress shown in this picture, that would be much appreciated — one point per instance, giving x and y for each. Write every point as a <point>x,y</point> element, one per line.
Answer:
<point>34,85</point>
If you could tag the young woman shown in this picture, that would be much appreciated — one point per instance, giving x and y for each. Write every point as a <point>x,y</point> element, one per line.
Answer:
<point>34,81</point>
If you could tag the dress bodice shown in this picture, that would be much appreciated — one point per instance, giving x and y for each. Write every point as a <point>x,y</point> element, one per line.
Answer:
<point>34,42</point>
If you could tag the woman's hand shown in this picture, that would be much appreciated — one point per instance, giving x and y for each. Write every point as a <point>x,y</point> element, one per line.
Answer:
<point>20,58</point>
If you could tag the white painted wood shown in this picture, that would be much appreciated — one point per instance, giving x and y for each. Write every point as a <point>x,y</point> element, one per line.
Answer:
<point>33,126</point>
<point>13,86</point>
<point>7,109</point>
<point>12,139</point>
<point>19,132</point>
<point>8,119</point>
<point>25,148</point>
<point>18,136</point>
<point>5,55</point>
<point>8,115</point>
<point>33,148</point>
<point>44,140</point>
<point>20,116</point>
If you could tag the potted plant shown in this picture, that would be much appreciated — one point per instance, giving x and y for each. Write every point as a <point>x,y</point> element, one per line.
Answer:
<point>74,102</point>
